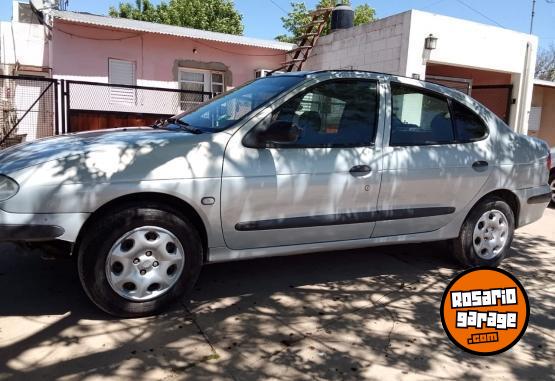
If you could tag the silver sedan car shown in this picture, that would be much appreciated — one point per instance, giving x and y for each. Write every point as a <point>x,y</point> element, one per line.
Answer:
<point>287,164</point>
<point>552,177</point>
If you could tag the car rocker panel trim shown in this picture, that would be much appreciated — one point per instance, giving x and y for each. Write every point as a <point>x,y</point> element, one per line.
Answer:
<point>30,232</point>
<point>540,199</point>
<point>342,219</point>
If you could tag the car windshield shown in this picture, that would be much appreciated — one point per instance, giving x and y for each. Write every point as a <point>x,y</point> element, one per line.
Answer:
<point>227,109</point>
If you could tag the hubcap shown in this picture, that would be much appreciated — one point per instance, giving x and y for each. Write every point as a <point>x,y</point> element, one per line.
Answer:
<point>490,234</point>
<point>552,186</point>
<point>144,263</point>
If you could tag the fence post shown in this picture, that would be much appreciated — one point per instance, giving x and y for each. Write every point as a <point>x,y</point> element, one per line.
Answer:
<point>68,107</point>
<point>56,111</point>
<point>63,104</point>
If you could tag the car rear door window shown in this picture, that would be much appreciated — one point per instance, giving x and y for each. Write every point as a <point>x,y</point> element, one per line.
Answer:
<point>337,113</point>
<point>469,127</point>
<point>419,117</point>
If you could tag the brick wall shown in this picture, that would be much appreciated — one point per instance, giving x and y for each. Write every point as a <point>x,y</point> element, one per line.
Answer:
<point>377,46</point>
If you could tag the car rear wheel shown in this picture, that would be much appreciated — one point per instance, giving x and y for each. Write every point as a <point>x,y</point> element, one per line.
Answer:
<point>138,260</point>
<point>486,234</point>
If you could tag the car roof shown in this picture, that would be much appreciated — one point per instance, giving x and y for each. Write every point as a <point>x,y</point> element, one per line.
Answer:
<point>435,87</point>
<point>387,76</point>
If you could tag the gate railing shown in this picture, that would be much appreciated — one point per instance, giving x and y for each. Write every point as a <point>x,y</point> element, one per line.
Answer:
<point>94,105</point>
<point>27,109</point>
<point>35,107</point>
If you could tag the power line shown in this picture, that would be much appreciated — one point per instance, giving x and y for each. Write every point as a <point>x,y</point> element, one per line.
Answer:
<point>236,53</point>
<point>433,4</point>
<point>480,13</point>
<point>139,35</point>
<point>99,39</point>
<point>534,13</point>
<point>279,6</point>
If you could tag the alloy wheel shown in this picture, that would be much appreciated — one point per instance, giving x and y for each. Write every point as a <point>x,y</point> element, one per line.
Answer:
<point>490,234</point>
<point>144,263</point>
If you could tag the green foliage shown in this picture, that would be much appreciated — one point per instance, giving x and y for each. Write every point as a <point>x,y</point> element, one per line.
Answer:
<point>364,14</point>
<point>295,22</point>
<point>213,15</point>
<point>545,65</point>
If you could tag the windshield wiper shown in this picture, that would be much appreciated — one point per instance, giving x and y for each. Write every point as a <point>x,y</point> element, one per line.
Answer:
<point>178,122</point>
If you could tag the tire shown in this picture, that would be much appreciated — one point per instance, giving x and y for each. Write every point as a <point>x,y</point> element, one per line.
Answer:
<point>131,240</point>
<point>552,186</point>
<point>480,234</point>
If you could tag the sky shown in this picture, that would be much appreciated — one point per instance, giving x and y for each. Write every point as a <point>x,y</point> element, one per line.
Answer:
<point>262,17</point>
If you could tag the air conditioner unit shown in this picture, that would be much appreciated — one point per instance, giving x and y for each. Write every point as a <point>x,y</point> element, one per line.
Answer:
<point>41,5</point>
<point>259,73</point>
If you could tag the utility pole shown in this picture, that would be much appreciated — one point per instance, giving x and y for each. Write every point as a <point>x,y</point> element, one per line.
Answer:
<point>533,14</point>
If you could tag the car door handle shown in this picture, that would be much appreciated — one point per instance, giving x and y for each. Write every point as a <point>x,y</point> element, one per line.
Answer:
<point>480,165</point>
<point>360,170</point>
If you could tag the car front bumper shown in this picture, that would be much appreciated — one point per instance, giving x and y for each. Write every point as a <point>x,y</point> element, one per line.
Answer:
<point>533,202</point>
<point>19,227</point>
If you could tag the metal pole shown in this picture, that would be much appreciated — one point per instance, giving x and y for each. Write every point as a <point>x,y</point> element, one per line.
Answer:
<point>68,108</point>
<point>63,105</point>
<point>56,110</point>
<point>533,14</point>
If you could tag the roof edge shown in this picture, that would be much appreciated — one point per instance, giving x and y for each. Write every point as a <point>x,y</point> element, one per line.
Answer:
<point>543,82</point>
<point>164,29</point>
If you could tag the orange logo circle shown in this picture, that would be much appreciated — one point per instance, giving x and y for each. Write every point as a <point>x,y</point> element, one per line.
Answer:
<point>485,311</point>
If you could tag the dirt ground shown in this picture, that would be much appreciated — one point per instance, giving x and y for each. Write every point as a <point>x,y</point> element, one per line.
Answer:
<point>371,314</point>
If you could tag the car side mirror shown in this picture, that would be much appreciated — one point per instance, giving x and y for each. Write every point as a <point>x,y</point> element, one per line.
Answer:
<point>282,132</point>
<point>279,132</point>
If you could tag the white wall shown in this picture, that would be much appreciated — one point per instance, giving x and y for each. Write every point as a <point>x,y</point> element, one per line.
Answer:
<point>377,46</point>
<point>30,46</point>
<point>470,44</point>
<point>466,43</point>
<point>396,45</point>
<point>25,44</point>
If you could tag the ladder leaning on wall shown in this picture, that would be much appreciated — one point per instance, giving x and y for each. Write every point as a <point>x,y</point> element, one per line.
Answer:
<point>299,55</point>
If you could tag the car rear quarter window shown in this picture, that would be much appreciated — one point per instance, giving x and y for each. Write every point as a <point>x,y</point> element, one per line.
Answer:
<point>469,127</point>
<point>419,117</point>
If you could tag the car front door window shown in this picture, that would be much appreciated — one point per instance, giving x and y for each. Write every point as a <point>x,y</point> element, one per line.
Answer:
<point>339,113</point>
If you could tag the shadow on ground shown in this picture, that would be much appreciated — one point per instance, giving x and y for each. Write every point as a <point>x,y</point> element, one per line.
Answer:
<point>369,313</point>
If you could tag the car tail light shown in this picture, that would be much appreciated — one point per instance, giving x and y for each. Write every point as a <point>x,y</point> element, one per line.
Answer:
<point>549,158</point>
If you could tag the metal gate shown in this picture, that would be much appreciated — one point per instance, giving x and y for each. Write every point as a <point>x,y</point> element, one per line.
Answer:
<point>462,84</point>
<point>498,98</point>
<point>33,107</point>
<point>27,109</point>
<point>90,106</point>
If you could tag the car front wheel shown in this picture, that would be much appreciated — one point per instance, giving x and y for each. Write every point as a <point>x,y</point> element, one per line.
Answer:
<point>486,234</point>
<point>138,260</point>
<point>552,186</point>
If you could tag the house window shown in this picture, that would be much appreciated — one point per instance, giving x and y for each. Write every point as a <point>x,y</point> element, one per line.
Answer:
<point>122,72</point>
<point>203,82</point>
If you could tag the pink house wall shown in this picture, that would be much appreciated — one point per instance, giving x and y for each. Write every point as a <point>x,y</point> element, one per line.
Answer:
<point>82,52</point>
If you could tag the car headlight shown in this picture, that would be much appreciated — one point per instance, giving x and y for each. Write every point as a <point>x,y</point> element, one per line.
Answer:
<point>8,188</point>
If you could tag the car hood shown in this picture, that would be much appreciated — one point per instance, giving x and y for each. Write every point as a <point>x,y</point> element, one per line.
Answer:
<point>75,145</point>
